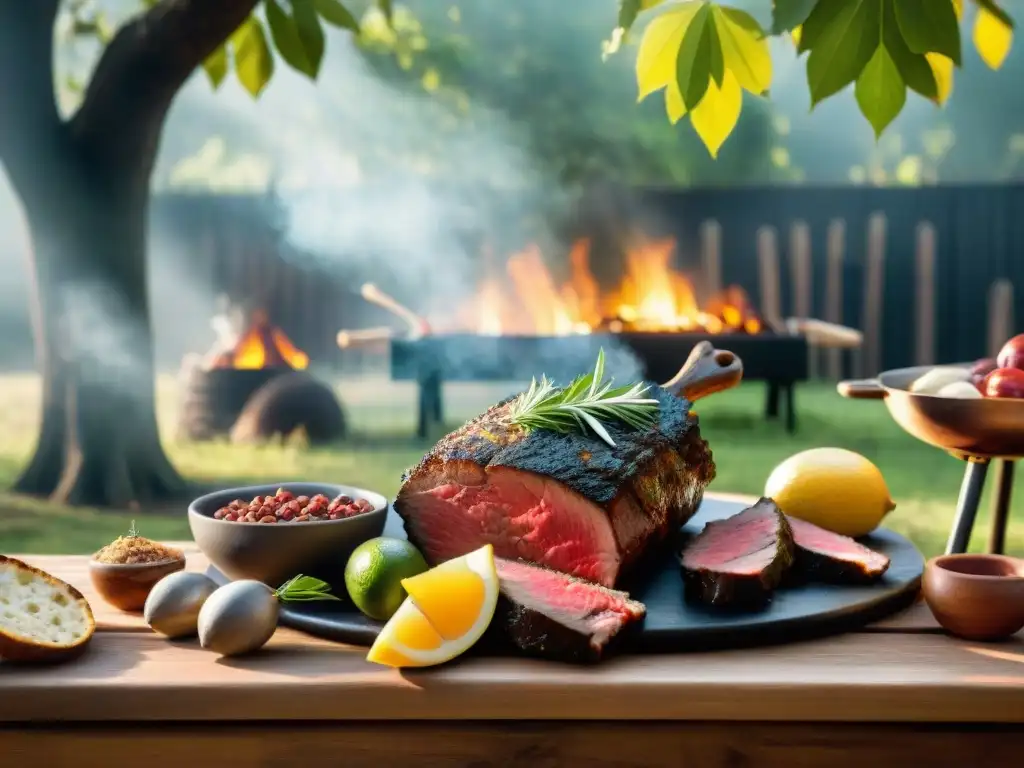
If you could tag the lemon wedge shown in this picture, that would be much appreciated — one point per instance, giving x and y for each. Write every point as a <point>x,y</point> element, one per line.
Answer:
<point>448,609</point>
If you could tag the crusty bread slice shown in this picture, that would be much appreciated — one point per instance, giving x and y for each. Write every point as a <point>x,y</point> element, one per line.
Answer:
<point>41,617</point>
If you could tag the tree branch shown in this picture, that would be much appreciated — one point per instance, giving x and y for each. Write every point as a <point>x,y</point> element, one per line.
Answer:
<point>141,71</point>
<point>30,126</point>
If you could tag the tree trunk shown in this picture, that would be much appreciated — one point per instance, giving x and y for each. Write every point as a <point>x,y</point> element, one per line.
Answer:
<point>99,443</point>
<point>84,183</point>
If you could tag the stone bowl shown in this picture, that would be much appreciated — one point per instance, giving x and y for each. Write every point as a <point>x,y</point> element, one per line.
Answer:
<point>274,553</point>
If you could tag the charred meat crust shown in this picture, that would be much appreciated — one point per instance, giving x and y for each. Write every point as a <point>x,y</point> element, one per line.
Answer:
<point>738,590</point>
<point>535,634</point>
<point>660,472</point>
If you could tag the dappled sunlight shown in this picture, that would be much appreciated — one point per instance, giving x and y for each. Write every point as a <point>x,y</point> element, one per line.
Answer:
<point>1016,656</point>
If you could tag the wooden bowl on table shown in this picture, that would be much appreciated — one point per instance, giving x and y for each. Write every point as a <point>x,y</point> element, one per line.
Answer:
<point>976,597</point>
<point>127,585</point>
<point>275,553</point>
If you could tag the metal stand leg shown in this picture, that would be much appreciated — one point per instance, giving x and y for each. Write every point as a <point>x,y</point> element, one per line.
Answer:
<point>967,506</point>
<point>430,404</point>
<point>1001,506</point>
<point>771,404</point>
<point>791,407</point>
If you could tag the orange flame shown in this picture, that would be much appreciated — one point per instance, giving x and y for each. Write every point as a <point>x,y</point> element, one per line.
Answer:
<point>264,346</point>
<point>652,296</point>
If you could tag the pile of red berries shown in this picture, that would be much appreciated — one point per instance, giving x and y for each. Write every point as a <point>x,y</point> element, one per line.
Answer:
<point>285,507</point>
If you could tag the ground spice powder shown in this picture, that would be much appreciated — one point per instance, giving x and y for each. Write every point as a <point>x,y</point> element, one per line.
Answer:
<point>127,550</point>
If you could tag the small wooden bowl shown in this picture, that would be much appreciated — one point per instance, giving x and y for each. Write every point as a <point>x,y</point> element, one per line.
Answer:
<point>976,597</point>
<point>126,586</point>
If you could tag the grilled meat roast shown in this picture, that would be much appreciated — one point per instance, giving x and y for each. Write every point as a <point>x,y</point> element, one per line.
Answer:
<point>553,615</point>
<point>569,502</point>
<point>738,562</point>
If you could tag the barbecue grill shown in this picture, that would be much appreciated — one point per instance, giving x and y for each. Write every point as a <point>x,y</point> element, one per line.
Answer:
<point>431,360</point>
<point>776,353</point>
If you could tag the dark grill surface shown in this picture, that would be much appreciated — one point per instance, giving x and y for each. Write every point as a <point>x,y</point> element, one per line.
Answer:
<point>469,357</point>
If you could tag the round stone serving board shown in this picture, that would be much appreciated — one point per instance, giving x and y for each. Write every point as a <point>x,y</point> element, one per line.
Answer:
<point>674,624</point>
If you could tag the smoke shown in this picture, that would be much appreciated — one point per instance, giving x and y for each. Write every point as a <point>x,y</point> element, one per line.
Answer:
<point>380,181</point>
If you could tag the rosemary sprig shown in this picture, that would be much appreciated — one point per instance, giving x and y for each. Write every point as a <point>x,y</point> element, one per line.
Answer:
<point>587,402</point>
<point>133,532</point>
<point>303,589</point>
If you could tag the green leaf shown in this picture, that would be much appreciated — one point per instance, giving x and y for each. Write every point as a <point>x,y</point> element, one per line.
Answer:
<point>822,18</point>
<point>744,48</point>
<point>310,32</point>
<point>789,14</point>
<point>880,91</point>
<point>254,63</point>
<point>630,9</point>
<point>336,14</point>
<point>656,61</point>
<point>844,47</point>
<point>993,8</point>
<point>285,35</point>
<point>216,66</point>
<point>913,67</point>
<point>700,58</point>
<point>304,589</point>
<point>930,26</point>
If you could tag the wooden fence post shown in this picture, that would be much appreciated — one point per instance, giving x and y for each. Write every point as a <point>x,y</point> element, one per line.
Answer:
<point>1000,315</point>
<point>834,256</point>
<point>924,350</point>
<point>768,276</point>
<point>711,258</point>
<point>874,286</point>
<point>801,281</point>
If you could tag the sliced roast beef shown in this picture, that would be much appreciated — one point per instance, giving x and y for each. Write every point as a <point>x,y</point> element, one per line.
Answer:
<point>570,502</point>
<point>738,562</point>
<point>825,556</point>
<point>556,616</point>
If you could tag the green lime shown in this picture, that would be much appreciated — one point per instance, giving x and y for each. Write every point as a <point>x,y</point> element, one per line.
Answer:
<point>373,576</point>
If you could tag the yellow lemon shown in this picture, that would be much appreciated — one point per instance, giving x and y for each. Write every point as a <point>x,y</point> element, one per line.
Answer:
<point>838,490</point>
<point>448,609</point>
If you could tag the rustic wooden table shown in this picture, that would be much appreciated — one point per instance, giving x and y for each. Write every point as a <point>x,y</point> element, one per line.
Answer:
<point>898,693</point>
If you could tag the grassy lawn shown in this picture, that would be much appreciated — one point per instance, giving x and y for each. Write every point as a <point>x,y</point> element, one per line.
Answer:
<point>923,481</point>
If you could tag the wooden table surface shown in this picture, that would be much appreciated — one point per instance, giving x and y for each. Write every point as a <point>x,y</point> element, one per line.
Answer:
<point>902,675</point>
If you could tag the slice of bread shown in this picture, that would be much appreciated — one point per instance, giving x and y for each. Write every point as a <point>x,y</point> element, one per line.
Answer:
<point>41,617</point>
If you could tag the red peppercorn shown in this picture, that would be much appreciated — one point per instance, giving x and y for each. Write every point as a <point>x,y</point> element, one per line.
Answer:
<point>231,517</point>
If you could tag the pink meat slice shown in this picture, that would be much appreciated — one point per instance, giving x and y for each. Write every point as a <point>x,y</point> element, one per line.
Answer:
<point>522,515</point>
<point>832,555</point>
<point>560,616</point>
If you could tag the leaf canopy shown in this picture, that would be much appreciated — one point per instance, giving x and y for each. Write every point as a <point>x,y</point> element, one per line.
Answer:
<point>697,50</point>
<point>702,54</point>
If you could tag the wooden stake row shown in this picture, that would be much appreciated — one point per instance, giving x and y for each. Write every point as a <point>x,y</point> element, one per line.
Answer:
<point>867,360</point>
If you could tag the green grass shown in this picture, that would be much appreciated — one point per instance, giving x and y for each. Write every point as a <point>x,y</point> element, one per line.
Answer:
<point>923,481</point>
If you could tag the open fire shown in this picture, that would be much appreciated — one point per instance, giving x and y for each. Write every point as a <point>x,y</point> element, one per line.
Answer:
<point>651,297</point>
<point>260,345</point>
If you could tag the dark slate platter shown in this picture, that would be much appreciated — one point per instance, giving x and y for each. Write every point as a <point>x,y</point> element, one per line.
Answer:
<point>673,624</point>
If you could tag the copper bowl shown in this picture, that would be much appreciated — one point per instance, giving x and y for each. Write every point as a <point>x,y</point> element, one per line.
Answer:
<point>976,597</point>
<point>127,585</point>
<point>988,427</point>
